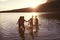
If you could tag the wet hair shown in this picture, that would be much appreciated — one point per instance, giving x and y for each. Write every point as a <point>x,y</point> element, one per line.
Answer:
<point>35,16</point>
<point>21,16</point>
<point>32,16</point>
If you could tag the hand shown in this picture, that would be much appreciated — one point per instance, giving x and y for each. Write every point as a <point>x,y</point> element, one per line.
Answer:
<point>26,21</point>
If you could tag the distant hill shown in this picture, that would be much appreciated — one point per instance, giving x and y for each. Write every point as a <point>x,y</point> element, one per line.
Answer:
<point>19,10</point>
<point>53,6</point>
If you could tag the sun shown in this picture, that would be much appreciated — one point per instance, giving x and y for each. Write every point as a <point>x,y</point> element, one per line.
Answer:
<point>34,3</point>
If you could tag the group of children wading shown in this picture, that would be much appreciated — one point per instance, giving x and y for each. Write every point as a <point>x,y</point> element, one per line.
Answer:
<point>33,22</point>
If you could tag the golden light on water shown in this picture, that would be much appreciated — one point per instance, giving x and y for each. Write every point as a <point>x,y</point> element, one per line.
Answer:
<point>15,17</point>
<point>29,15</point>
<point>33,13</point>
<point>12,18</point>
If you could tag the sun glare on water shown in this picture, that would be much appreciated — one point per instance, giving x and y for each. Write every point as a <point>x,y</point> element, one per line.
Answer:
<point>29,15</point>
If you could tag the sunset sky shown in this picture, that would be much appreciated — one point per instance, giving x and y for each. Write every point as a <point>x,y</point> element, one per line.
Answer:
<point>16,4</point>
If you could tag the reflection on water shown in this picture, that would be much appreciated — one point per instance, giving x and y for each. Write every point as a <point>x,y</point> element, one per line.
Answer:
<point>49,29</point>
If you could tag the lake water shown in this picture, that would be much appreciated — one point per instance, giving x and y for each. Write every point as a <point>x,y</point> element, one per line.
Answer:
<point>49,29</point>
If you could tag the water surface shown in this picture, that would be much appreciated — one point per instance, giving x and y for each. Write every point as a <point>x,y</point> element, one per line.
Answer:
<point>49,29</point>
